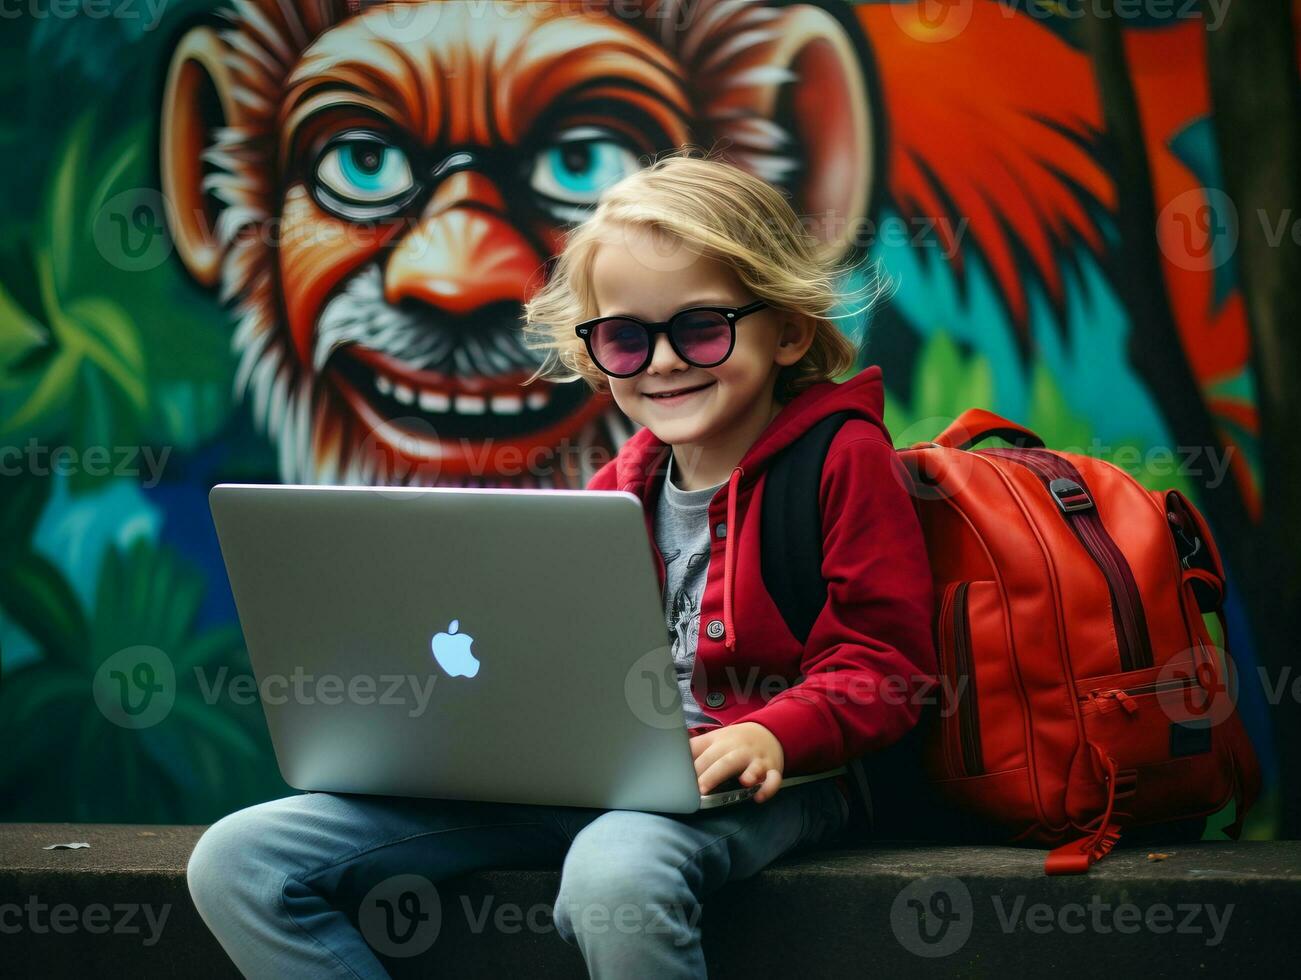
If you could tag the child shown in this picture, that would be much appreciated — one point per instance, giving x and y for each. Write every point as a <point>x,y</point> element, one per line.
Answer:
<point>741,369</point>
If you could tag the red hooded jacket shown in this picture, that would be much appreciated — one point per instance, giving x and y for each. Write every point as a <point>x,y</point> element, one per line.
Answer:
<point>856,685</point>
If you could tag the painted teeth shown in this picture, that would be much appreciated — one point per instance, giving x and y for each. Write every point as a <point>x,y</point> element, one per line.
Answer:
<point>434,401</point>
<point>462,403</point>
<point>506,404</point>
<point>470,404</point>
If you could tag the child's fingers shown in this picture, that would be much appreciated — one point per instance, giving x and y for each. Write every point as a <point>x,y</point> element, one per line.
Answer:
<point>754,773</point>
<point>701,742</point>
<point>771,784</point>
<point>711,753</point>
<point>722,770</point>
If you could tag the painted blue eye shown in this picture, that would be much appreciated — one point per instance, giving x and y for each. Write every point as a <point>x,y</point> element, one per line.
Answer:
<point>365,172</point>
<point>578,166</point>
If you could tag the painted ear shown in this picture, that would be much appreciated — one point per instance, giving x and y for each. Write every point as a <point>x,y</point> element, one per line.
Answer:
<point>198,99</point>
<point>816,86</point>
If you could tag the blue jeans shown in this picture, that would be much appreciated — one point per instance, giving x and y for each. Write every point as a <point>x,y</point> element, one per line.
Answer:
<point>313,884</point>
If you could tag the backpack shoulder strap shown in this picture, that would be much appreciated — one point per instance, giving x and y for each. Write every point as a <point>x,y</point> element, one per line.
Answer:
<point>790,526</point>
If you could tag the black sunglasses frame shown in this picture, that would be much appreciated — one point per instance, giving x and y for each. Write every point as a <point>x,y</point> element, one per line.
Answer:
<point>730,313</point>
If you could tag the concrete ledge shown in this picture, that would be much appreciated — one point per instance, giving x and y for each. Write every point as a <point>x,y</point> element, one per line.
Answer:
<point>990,911</point>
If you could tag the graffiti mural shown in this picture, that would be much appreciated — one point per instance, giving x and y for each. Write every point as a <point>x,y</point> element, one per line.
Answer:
<point>289,240</point>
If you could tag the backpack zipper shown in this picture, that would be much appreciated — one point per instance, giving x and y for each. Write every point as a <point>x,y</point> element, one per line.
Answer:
<point>1109,699</point>
<point>1126,603</point>
<point>968,718</point>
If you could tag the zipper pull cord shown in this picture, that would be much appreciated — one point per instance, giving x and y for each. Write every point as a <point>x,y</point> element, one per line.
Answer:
<point>1078,856</point>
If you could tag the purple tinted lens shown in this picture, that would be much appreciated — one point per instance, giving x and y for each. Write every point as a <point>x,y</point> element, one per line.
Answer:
<point>619,345</point>
<point>704,338</point>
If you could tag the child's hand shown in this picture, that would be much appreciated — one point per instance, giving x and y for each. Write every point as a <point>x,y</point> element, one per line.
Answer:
<point>746,750</point>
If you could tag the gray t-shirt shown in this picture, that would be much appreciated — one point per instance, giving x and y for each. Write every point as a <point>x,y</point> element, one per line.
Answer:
<point>682,535</point>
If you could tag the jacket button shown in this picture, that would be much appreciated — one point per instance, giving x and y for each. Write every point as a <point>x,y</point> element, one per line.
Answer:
<point>720,529</point>
<point>715,628</point>
<point>715,699</point>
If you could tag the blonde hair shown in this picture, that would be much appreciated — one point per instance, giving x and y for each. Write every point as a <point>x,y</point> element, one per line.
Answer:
<point>722,212</point>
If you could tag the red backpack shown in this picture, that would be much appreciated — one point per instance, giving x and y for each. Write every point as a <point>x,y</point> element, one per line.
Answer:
<point>1080,691</point>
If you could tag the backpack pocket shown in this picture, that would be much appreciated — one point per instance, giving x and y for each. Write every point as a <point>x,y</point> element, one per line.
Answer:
<point>971,643</point>
<point>1162,728</point>
<point>959,717</point>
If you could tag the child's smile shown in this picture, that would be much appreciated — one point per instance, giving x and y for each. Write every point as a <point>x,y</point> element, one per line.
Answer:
<point>679,394</point>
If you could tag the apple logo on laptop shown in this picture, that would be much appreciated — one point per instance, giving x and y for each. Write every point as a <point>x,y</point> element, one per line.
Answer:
<point>452,651</point>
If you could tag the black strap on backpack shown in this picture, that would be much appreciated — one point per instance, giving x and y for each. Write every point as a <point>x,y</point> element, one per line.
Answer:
<point>790,554</point>
<point>891,798</point>
<point>790,527</point>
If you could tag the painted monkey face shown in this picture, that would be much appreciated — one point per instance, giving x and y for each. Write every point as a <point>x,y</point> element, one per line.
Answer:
<point>421,201</point>
<point>420,163</point>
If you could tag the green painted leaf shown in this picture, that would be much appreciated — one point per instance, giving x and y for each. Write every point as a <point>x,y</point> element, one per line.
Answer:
<point>22,498</point>
<point>37,597</point>
<point>31,691</point>
<point>221,645</point>
<point>20,333</point>
<point>28,747</point>
<point>219,728</point>
<point>1051,418</point>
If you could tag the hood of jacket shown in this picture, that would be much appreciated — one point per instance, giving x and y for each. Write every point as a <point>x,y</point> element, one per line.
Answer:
<point>641,463</point>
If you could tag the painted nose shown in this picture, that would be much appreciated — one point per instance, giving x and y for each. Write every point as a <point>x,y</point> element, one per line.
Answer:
<point>464,253</point>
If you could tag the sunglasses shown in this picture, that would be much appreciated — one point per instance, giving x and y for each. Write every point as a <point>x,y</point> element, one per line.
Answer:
<point>703,336</point>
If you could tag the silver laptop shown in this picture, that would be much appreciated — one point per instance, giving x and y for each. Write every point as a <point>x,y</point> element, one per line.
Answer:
<point>504,645</point>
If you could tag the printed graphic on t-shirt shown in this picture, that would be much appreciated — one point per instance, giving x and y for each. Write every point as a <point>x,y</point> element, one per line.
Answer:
<point>684,585</point>
<point>684,612</point>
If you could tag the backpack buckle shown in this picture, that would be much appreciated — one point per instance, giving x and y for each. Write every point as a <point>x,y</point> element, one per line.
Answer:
<point>1070,496</point>
<point>1186,546</point>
